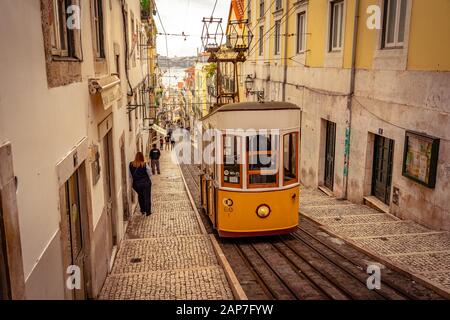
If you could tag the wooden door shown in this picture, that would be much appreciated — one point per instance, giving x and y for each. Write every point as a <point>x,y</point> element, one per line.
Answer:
<point>75,234</point>
<point>382,168</point>
<point>109,191</point>
<point>5,290</point>
<point>126,209</point>
<point>330,148</point>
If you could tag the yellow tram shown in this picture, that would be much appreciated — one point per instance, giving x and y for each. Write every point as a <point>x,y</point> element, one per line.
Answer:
<point>250,179</point>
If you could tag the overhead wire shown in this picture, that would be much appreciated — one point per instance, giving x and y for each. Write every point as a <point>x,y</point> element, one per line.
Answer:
<point>214,9</point>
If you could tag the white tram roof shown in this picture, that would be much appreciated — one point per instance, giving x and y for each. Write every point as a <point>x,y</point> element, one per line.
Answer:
<point>254,115</point>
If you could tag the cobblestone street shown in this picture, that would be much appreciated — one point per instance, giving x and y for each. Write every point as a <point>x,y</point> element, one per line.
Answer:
<point>406,245</point>
<point>166,256</point>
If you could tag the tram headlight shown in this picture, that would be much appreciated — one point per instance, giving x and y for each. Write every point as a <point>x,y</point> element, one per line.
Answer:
<point>263,211</point>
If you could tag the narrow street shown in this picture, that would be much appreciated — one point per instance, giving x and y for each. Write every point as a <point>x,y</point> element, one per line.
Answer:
<point>165,256</point>
<point>304,149</point>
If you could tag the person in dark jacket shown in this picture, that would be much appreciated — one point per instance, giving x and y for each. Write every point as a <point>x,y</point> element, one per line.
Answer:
<point>172,142</point>
<point>167,142</point>
<point>155,154</point>
<point>142,183</point>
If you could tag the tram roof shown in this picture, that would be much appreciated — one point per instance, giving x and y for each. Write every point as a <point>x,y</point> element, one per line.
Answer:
<point>255,106</point>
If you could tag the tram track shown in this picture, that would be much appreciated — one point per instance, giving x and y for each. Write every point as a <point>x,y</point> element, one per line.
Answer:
<point>303,266</point>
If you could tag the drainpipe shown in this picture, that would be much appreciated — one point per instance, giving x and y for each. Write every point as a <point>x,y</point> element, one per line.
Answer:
<point>286,30</point>
<point>125,31</point>
<point>350,98</point>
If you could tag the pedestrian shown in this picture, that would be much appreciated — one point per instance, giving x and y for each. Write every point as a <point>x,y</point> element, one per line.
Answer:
<point>167,142</point>
<point>142,183</point>
<point>161,143</point>
<point>155,154</point>
<point>172,142</point>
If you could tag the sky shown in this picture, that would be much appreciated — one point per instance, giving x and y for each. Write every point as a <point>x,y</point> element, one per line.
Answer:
<point>186,16</point>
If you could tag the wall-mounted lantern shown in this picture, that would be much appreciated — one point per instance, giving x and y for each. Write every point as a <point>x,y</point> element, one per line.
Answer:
<point>249,83</point>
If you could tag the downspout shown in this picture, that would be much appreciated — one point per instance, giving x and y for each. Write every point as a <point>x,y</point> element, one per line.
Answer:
<point>350,98</point>
<point>125,31</point>
<point>285,69</point>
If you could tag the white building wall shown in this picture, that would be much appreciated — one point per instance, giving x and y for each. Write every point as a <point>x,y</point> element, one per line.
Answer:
<point>44,124</point>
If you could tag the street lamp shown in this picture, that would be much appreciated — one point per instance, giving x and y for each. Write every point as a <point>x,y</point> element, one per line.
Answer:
<point>249,82</point>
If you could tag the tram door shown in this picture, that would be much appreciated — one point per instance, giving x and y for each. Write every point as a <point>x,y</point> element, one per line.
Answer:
<point>211,201</point>
<point>4,276</point>
<point>330,147</point>
<point>211,176</point>
<point>382,168</point>
<point>203,193</point>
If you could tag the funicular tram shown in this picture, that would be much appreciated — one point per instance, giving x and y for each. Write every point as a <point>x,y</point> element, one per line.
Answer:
<point>250,182</point>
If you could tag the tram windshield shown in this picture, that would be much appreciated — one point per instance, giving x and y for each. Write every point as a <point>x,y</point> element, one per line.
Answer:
<point>262,160</point>
<point>231,161</point>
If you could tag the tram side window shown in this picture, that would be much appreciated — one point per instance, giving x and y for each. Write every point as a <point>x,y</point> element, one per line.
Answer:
<point>290,154</point>
<point>262,160</point>
<point>231,161</point>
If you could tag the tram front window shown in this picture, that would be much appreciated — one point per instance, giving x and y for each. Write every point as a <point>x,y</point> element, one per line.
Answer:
<point>231,161</point>
<point>262,160</point>
<point>290,151</point>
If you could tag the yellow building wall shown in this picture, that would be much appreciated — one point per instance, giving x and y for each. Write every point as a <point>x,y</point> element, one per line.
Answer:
<point>366,38</point>
<point>348,32</point>
<point>429,43</point>
<point>317,31</point>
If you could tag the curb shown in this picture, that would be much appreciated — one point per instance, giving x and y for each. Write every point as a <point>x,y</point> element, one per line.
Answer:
<point>236,287</point>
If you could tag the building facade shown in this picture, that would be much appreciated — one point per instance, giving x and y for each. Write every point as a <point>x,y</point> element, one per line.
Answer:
<point>201,89</point>
<point>372,79</point>
<point>74,94</point>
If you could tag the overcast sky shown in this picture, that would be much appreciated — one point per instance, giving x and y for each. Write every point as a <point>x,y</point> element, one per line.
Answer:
<point>186,15</point>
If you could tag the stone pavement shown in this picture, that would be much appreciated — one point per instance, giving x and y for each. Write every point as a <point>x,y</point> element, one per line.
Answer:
<point>421,252</point>
<point>166,256</point>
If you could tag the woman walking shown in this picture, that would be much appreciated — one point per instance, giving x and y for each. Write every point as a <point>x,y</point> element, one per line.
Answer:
<point>142,182</point>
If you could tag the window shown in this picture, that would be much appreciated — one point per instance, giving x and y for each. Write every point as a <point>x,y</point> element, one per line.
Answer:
<point>261,40</point>
<point>278,4</point>
<point>277,38</point>
<point>232,168</point>
<point>336,25</point>
<point>394,23</point>
<point>262,155</point>
<point>301,32</point>
<point>97,16</point>
<point>290,154</point>
<point>261,8</point>
<point>60,34</point>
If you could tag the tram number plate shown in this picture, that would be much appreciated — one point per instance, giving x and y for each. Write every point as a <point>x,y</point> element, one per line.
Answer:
<point>234,180</point>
